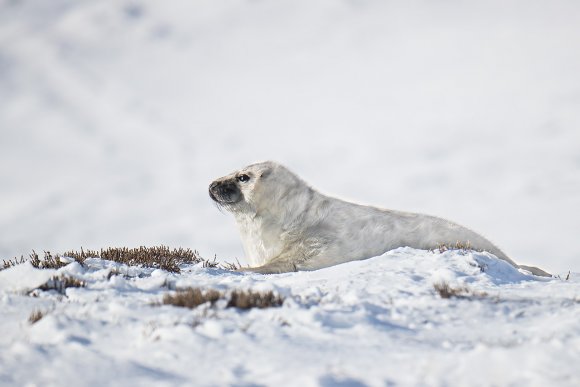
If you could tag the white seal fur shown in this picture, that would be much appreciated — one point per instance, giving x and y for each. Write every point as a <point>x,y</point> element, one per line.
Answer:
<point>286,225</point>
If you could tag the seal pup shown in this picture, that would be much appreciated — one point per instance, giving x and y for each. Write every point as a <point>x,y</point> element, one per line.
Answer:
<point>286,225</point>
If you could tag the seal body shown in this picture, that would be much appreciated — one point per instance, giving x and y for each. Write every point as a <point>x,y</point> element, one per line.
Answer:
<point>286,225</point>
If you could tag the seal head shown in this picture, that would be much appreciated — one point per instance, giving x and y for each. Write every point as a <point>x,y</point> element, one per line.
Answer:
<point>245,190</point>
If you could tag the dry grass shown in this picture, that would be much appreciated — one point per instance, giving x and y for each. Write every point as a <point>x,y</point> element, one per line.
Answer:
<point>247,299</point>
<point>565,279</point>
<point>233,266</point>
<point>213,263</point>
<point>461,246</point>
<point>47,262</point>
<point>35,316</point>
<point>192,297</point>
<point>445,290</point>
<point>160,257</point>
<point>82,255</point>
<point>13,262</point>
<point>61,283</point>
<point>241,299</point>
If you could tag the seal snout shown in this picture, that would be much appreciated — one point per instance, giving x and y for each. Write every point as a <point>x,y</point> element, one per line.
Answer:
<point>224,191</point>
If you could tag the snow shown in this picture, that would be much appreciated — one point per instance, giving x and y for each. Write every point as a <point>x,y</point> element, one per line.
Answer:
<point>24,277</point>
<point>374,322</point>
<point>116,115</point>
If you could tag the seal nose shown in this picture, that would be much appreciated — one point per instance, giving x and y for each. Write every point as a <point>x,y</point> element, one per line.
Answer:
<point>213,186</point>
<point>224,191</point>
<point>213,189</point>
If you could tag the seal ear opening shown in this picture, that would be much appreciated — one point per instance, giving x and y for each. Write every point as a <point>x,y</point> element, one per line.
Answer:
<point>266,173</point>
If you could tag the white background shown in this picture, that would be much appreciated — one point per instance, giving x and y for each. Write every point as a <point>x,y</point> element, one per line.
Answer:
<point>116,115</point>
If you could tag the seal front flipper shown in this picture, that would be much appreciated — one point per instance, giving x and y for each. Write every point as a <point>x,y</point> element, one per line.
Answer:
<point>271,268</point>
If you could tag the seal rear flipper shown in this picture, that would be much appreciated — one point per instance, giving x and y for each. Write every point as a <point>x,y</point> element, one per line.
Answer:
<point>535,271</point>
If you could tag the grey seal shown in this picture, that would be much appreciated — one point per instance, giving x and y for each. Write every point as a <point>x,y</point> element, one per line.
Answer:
<point>286,225</point>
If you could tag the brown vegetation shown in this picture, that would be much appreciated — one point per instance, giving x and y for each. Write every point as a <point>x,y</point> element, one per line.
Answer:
<point>47,262</point>
<point>233,266</point>
<point>35,316</point>
<point>242,299</point>
<point>445,290</point>
<point>461,246</point>
<point>192,297</point>
<point>61,283</point>
<point>161,257</point>
<point>247,299</point>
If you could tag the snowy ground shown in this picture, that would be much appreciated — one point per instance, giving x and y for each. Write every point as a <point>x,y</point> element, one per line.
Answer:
<point>376,322</point>
<point>116,115</point>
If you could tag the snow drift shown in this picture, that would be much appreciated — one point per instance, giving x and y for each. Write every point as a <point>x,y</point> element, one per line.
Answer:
<point>373,322</point>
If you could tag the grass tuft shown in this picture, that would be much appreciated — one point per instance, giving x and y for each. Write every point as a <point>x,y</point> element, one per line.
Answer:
<point>61,283</point>
<point>233,266</point>
<point>213,263</point>
<point>47,262</point>
<point>247,299</point>
<point>445,290</point>
<point>82,255</point>
<point>35,316</point>
<point>192,297</point>
<point>13,262</point>
<point>241,299</point>
<point>159,257</point>
<point>461,246</point>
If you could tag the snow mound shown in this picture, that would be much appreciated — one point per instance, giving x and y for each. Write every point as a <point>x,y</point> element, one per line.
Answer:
<point>24,277</point>
<point>372,322</point>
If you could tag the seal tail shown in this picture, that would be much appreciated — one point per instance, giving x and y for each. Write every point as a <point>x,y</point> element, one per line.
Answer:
<point>535,271</point>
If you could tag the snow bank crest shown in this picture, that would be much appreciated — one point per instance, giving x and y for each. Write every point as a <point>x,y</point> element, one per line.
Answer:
<point>23,277</point>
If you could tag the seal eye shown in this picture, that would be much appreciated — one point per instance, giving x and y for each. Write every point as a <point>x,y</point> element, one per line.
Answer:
<point>243,178</point>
